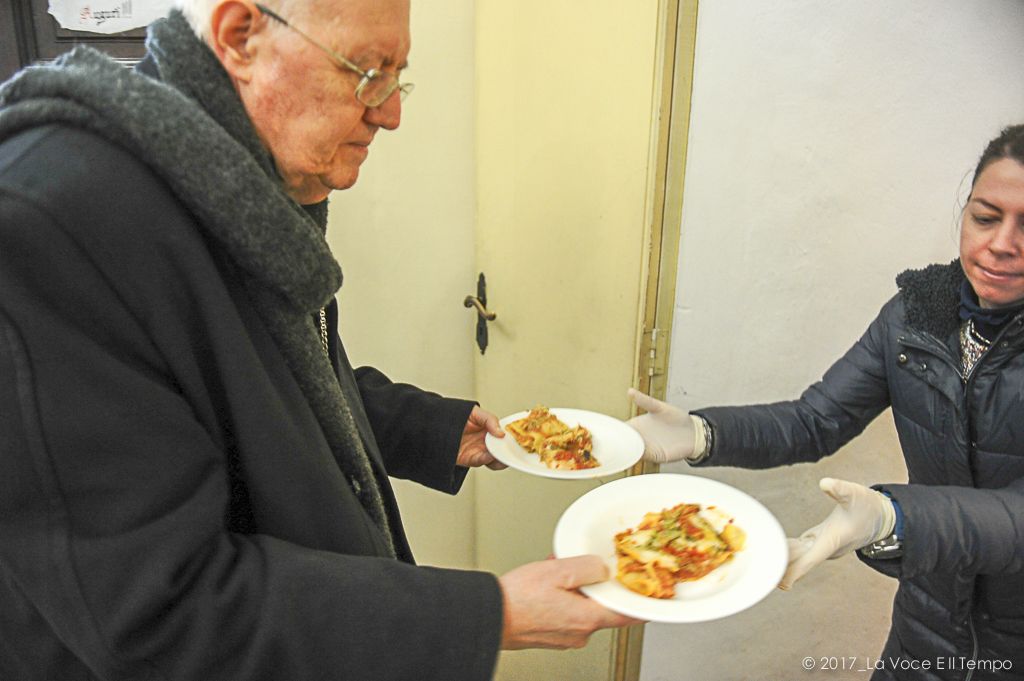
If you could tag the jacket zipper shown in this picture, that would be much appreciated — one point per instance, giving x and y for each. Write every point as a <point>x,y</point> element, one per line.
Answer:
<point>967,411</point>
<point>974,647</point>
<point>941,351</point>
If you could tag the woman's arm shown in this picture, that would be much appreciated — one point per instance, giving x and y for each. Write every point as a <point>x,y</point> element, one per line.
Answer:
<point>826,416</point>
<point>959,530</point>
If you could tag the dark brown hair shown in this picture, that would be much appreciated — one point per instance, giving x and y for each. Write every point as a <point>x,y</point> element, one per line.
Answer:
<point>1009,144</point>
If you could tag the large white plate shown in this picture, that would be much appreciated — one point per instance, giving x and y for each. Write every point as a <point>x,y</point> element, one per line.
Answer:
<point>616,445</point>
<point>589,526</point>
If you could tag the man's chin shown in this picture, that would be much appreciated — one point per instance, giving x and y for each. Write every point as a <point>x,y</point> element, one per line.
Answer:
<point>341,179</point>
<point>315,188</point>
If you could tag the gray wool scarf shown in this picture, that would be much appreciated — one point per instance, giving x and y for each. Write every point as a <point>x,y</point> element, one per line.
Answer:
<point>192,129</point>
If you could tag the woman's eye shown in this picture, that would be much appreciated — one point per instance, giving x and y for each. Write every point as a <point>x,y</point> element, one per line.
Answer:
<point>985,219</point>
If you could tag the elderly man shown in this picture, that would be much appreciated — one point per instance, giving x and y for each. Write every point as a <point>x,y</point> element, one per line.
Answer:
<point>193,479</point>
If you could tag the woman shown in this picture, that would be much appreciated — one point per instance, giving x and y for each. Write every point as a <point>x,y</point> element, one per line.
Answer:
<point>947,354</point>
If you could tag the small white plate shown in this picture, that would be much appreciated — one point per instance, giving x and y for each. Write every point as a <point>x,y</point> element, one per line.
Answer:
<point>616,445</point>
<point>590,524</point>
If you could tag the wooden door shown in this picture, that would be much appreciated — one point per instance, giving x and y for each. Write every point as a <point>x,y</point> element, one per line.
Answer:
<point>567,148</point>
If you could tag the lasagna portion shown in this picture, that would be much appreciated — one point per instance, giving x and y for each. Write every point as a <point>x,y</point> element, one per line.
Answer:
<point>559,446</point>
<point>677,544</point>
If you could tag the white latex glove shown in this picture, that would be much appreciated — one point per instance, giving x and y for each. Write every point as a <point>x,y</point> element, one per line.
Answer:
<point>863,516</point>
<point>669,433</point>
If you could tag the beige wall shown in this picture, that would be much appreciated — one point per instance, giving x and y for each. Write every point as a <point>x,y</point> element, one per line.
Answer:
<point>404,237</point>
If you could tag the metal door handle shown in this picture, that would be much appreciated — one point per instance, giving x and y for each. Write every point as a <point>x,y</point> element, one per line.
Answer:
<point>481,309</point>
<point>479,301</point>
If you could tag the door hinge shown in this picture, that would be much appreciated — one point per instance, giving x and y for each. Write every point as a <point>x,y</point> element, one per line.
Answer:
<point>655,352</point>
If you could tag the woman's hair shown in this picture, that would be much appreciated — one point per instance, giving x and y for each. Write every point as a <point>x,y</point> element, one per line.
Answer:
<point>1009,144</point>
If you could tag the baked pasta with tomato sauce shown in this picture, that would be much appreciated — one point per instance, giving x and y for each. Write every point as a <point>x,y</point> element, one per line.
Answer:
<point>558,446</point>
<point>674,545</point>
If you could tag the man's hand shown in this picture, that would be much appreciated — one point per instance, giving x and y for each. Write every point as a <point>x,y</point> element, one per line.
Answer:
<point>668,432</point>
<point>543,609</point>
<point>862,516</point>
<point>472,449</point>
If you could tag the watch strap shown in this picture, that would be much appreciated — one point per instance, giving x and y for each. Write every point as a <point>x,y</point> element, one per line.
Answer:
<point>892,545</point>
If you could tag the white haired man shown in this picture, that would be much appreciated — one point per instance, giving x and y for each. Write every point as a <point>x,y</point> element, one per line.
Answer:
<point>193,478</point>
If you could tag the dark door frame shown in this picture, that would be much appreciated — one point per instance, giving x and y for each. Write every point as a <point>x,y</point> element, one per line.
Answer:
<point>29,34</point>
<point>12,52</point>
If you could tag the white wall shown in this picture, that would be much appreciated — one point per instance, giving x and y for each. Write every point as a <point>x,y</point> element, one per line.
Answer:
<point>829,145</point>
<point>404,237</point>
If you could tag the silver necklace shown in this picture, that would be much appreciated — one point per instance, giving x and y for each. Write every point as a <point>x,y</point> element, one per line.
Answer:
<point>972,346</point>
<point>323,332</point>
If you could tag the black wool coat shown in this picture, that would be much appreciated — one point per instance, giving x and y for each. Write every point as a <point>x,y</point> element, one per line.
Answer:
<point>961,593</point>
<point>169,507</point>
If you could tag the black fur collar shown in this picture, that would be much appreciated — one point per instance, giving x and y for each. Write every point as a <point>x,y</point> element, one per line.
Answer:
<point>932,298</point>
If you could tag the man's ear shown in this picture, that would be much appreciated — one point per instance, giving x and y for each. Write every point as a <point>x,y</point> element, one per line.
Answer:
<point>233,26</point>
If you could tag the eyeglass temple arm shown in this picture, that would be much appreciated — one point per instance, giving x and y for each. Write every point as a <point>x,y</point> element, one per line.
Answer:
<point>334,55</point>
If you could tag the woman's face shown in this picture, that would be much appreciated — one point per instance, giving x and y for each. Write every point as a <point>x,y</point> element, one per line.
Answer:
<point>992,235</point>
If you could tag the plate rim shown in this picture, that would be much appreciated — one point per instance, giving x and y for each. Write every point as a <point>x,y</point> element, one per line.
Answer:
<point>770,580</point>
<point>584,474</point>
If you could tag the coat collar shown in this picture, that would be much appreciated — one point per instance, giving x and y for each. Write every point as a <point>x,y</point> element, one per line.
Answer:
<point>932,297</point>
<point>192,130</point>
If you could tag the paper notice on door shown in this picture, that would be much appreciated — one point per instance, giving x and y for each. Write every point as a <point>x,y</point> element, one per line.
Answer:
<point>108,16</point>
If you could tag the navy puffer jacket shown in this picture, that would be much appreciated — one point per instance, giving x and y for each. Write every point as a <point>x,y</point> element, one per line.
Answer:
<point>959,610</point>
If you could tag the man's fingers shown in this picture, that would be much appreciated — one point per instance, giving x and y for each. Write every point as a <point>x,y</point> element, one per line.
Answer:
<point>493,427</point>
<point>487,421</point>
<point>644,401</point>
<point>615,620</point>
<point>581,570</point>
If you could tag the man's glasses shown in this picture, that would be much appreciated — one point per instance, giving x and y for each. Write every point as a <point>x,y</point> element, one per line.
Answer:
<point>376,85</point>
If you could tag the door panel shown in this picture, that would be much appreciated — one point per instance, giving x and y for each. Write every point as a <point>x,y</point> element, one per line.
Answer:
<point>563,144</point>
<point>28,33</point>
<point>404,237</point>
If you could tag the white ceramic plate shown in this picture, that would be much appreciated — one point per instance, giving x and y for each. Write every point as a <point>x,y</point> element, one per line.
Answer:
<point>616,445</point>
<point>589,525</point>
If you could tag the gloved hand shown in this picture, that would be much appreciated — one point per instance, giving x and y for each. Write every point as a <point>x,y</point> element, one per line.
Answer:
<point>862,516</point>
<point>668,432</point>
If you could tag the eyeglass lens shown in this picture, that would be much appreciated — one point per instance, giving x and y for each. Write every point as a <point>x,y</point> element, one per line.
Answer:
<point>379,86</point>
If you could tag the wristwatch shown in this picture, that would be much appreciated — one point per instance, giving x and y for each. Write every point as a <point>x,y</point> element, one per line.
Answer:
<point>888,547</point>
<point>891,546</point>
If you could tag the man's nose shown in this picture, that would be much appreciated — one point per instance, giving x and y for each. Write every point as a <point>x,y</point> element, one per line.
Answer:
<point>388,115</point>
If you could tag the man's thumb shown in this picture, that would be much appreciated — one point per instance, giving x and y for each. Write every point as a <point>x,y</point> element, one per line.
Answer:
<point>583,570</point>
